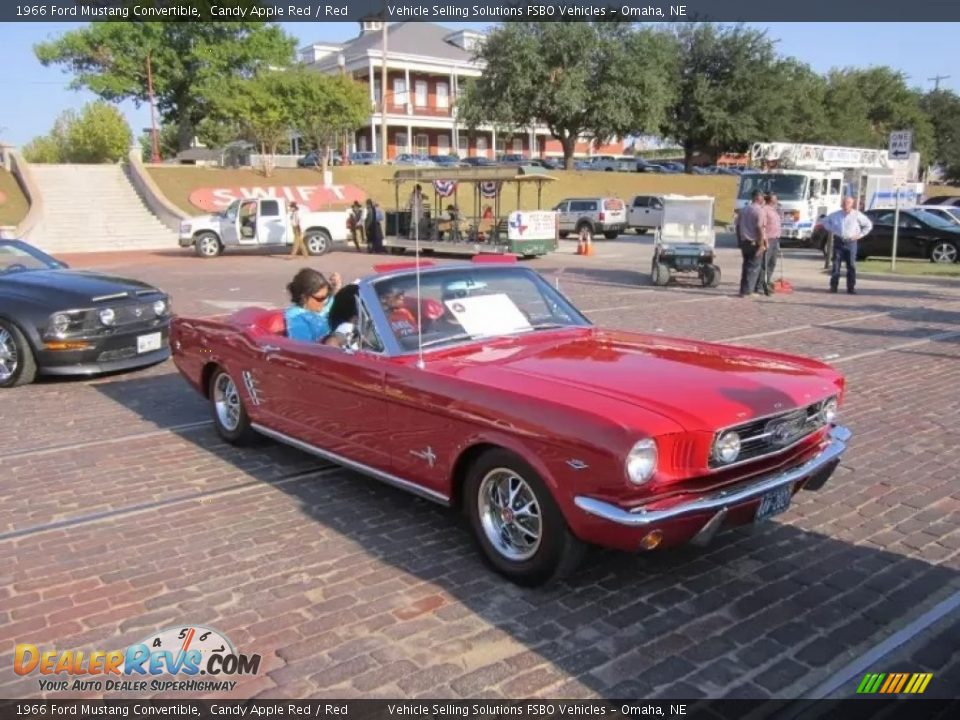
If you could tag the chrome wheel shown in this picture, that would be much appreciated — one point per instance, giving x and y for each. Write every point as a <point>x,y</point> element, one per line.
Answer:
<point>318,243</point>
<point>9,358</point>
<point>208,246</point>
<point>944,252</point>
<point>226,400</point>
<point>509,514</point>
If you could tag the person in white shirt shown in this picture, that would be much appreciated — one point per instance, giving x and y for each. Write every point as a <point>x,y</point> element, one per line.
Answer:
<point>847,226</point>
<point>298,244</point>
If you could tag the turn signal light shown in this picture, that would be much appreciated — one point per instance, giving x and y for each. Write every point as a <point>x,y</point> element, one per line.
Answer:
<point>651,540</point>
<point>67,345</point>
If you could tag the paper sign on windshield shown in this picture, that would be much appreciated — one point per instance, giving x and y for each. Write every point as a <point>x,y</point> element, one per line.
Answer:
<point>488,315</point>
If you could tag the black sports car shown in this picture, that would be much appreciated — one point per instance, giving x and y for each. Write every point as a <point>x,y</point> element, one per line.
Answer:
<point>58,321</point>
<point>920,234</point>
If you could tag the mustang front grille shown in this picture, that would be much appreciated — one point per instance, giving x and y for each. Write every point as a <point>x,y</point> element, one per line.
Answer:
<point>773,434</point>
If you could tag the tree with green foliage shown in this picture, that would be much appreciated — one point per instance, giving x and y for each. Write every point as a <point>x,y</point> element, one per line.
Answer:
<point>863,106</point>
<point>942,108</point>
<point>265,106</point>
<point>97,134</point>
<point>593,79</point>
<point>166,141</point>
<point>794,108</point>
<point>726,85</point>
<point>191,62</point>
<point>325,107</point>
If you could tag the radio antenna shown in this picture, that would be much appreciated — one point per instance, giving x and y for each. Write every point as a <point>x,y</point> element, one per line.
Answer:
<point>417,209</point>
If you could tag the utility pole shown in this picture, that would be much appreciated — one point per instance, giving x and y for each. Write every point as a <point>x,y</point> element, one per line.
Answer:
<point>155,140</point>
<point>383,92</point>
<point>936,81</point>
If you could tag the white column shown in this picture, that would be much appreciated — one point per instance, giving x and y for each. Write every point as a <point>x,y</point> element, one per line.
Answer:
<point>373,95</point>
<point>533,142</point>
<point>493,141</point>
<point>409,138</point>
<point>406,80</point>
<point>452,104</point>
<point>373,136</point>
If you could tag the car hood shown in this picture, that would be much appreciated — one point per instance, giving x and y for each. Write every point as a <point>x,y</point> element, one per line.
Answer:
<point>71,288</point>
<point>700,386</point>
<point>210,218</point>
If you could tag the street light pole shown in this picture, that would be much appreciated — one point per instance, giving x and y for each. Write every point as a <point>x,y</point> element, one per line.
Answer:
<point>342,62</point>
<point>383,92</point>
<point>155,141</point>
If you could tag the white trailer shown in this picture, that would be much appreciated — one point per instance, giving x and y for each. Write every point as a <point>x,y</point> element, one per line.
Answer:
<point>810,181</point>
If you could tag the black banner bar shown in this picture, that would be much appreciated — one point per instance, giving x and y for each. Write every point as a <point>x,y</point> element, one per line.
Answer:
<point>482,11</point>
<point>537,709</point>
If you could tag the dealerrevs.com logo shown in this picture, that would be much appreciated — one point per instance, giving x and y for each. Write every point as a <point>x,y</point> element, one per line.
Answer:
<point>189,651</point>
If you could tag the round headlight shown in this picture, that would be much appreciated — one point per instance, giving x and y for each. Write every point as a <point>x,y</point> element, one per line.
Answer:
<point>642,461</point>
<point>829,411</point>
<point>159,308</point>
<point>59,323</point>
<point>727,447</point>
<point>107,316</point>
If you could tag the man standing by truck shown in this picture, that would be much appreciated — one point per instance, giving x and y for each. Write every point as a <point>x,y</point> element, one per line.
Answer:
<point>298,245</point>
<point>750,237</point>
<point>847,226</point>
<point>771,236</point>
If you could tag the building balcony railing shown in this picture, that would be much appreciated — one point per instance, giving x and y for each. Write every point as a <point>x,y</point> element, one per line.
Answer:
<point>397,105</point>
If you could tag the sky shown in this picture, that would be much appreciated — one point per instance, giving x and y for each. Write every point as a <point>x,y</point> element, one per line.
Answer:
<point>32,96</point>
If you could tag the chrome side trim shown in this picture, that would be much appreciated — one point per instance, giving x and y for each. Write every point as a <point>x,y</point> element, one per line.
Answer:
<point>113,296</point>
<point>387,478</point>
<point>641,517</point>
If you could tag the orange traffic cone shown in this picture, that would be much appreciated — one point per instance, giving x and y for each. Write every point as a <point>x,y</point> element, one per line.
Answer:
<point>588,244</point>
<point>781,285</point>
<point>581,246</point>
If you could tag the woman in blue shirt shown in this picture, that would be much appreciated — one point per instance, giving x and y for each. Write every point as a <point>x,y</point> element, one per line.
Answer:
<point>310,294</point>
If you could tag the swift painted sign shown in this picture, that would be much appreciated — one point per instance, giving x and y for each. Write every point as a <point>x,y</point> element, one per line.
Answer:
<point>312,197</point>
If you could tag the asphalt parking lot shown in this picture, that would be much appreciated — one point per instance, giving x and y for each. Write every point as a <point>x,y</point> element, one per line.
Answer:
<point>122,513</point>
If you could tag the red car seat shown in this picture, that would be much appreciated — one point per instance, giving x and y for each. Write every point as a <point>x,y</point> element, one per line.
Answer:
<point>271,322</point>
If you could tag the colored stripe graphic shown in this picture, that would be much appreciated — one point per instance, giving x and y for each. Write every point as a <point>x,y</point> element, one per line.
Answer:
<point>894,683</point>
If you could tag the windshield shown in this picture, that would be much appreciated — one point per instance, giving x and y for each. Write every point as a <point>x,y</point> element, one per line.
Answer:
<point>458,305</point>
<point>16,256</point>
<point>786,187</point>
<point>935,220</point>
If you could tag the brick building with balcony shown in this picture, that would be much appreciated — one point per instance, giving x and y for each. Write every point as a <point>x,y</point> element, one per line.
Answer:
<point>426,66</point>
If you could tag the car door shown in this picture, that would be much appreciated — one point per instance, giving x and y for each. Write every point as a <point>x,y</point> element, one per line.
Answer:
<point>655,210</point>
<point>230,224</point>
<point>636,216</point>
<point>271,223</point>
<point>879,241</point>
<point>563,210</point>
<point>913,237</point>
<point>328,398</point>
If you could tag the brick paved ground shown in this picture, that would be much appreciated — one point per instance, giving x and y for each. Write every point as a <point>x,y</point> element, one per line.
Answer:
<point>121,513</point>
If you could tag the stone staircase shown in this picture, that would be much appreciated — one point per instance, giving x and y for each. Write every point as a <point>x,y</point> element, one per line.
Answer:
<point>94,208</point>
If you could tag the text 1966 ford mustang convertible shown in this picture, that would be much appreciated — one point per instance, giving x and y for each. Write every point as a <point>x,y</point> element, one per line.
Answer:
<point>489,391</point>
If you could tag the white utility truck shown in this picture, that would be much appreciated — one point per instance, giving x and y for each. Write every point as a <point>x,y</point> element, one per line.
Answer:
<point>810,181</point>
<point>263,222</point>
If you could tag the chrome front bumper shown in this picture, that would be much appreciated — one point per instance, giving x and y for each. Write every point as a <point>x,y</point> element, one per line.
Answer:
<point>723,499</point>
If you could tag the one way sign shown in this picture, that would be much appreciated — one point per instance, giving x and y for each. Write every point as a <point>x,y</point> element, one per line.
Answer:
<point>900,144</point>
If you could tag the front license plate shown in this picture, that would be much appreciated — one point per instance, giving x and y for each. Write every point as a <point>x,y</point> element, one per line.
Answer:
<point>148,343</point>
<point>774,503</point>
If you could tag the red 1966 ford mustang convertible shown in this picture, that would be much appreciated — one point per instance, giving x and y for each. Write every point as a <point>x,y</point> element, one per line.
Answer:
<point>489,391</point>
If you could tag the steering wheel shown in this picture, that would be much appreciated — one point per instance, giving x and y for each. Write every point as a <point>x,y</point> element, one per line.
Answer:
<point>15,266</point>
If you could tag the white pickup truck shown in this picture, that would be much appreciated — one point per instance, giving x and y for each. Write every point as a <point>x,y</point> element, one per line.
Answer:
<point>261,223</point>
<point>645,213</point>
